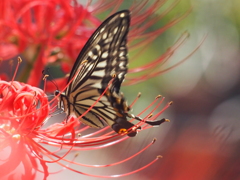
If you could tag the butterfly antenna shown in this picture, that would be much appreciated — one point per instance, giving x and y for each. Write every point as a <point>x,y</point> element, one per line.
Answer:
<point>47,72</point>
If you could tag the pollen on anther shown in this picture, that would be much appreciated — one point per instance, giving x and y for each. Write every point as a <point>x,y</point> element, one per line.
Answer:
<point>150,116</point>
<point>154,140</point>
<point>45,77</point>
<point>19,59</point>
<point>67,75</point>
<point>139,95</point>
<point>76,155</point>
<point>158,96</point>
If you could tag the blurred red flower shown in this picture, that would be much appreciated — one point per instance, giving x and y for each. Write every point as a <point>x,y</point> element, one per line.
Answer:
<point>54,31</point>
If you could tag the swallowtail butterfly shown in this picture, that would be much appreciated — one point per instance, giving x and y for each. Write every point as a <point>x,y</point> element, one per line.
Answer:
<point>103,57</point>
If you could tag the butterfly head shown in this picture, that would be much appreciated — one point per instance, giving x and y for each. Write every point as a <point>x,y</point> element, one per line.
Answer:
<point>63,101</point>
<point>57,92</point>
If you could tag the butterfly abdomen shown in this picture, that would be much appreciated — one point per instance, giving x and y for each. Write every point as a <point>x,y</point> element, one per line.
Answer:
<point>123,126</point>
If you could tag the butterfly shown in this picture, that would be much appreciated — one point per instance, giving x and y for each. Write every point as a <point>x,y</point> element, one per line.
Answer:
<point>103,58</point>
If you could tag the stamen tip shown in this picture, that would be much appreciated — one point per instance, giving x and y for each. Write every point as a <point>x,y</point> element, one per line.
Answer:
<point>45,77</point>
<point>158,96</point>
<point>170,103</point>
<point>67,75</point>
<point>159,156</point>
<point>76,155</point>
<point>139,94</point>
<point>19,59</point>
<point>150,116</point>
<point>167,120</point>
<point>154,140</point>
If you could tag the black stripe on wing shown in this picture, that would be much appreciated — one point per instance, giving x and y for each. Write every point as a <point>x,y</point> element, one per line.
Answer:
<point>102,52</point>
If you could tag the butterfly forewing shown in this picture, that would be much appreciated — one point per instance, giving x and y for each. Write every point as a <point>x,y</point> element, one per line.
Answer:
<point>104,55</point>
<point>103,51</point>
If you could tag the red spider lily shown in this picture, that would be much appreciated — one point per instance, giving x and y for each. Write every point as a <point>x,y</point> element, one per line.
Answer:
<point>54,31</point>
<point>23,110</point>
<point>26,143</point>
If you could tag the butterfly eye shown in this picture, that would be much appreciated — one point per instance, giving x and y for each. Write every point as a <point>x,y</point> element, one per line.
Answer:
<point>57,92</point>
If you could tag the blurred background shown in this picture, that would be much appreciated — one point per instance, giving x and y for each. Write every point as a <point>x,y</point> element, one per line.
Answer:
<point>202,141</point>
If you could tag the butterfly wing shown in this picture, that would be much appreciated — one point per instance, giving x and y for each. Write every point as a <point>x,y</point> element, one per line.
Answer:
<point>105,52</point>
<point>106,55</point>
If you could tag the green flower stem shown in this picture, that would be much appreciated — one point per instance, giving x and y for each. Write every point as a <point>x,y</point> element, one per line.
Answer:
<point>30,60</point>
